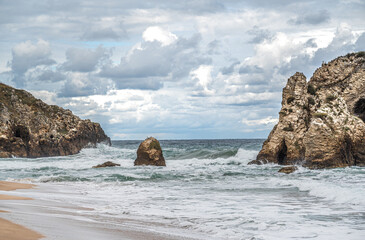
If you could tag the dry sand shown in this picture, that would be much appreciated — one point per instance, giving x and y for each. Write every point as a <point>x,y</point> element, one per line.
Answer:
<point>9,230</point>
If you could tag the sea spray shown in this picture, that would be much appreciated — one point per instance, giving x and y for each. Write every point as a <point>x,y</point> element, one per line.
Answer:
<point>206,188</point>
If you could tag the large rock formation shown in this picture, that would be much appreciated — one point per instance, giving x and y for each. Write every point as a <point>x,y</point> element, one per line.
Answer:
<point>321,122</point>
<point>31,128</point>
<point>150,153</point>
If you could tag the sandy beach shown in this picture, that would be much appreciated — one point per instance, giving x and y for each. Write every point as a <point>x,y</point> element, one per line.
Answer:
<point>10,230</point>
<point>56,221</point>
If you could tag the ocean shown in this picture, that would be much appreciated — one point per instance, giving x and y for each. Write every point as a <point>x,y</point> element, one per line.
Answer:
<point>207,191</point>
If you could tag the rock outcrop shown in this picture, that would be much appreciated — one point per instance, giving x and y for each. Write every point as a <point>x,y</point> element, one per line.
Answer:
<point>321,122</point>
<point>107,164</point>
<point>31,128</point>
<point>150,153</point>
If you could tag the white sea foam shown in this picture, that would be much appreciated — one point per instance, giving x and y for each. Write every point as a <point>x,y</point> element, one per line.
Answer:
<point>214,193</point>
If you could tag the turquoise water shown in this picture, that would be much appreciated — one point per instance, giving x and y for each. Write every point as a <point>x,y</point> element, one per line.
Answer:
<point>207,188</point>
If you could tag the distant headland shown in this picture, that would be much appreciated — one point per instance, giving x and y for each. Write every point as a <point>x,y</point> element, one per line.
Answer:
<point>31,128</point>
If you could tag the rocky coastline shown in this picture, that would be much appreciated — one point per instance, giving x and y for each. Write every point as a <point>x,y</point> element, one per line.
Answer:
<point>31,128</point>
<point>322,121</point>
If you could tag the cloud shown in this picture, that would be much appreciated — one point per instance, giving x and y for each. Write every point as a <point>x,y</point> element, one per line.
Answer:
<point>142,67</point>
<point>83,84</point>
<point>27,55</point>
<point>313,18</point>
<point>47,75</point>
<point>203,77</point>
<point>158,34</point>
<point>230,69</point>
<point>103,34</point>
<point>160,57</point>
<point>259,35</point>
<point>250,69</point>
<point>84,60</point>
<point>213,47</point>
<point>341,44</point>
<point>360,43</point>
<point>265,121</point>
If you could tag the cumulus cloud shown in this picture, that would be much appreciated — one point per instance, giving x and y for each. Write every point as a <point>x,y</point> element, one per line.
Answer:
<point>160,57</point>
<point>360,43</point>
<point>27,55</point>
<point>342,43</point>
<point>158,34</point>
<point>82,84</point>
<point>47,75</point>
<point>203,77</point>
<point>84,60</point>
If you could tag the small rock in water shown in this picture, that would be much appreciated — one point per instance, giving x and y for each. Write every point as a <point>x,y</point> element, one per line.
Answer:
<point>288,170</point>
<point>107,164</point>
<point>257,162</point>
<point>150,153</point>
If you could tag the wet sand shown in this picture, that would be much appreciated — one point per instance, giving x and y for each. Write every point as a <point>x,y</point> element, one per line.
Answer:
<point>11,186</point>
<point>57,221</point>
<point>10,230</point>
<point>10,197</point>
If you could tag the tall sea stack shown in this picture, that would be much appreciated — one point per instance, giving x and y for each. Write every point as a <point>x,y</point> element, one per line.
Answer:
<point>31,128</point>
<point>321,122</point>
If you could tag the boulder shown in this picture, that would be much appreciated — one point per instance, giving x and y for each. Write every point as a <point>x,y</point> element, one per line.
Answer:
<point>321,122</point>
<point>31,128</point>
<point>288,170</point>
<point>150,153</point>
<point>107,164</point>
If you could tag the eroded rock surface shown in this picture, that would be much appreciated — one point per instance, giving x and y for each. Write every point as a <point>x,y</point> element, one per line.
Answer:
<point>31,128</point>
<point>150,153</point>
<point>321,122</point>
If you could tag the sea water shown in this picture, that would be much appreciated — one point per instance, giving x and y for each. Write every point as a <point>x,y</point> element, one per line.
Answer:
<point>207,189</point>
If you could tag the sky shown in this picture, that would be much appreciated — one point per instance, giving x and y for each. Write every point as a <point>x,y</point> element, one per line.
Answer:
<point>193,69</point>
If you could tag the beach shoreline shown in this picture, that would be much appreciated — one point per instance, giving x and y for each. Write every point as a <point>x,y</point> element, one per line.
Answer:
<point>10,230</point>
<point>57,221</point>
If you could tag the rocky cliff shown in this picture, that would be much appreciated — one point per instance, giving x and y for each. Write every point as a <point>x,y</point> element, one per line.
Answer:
<point>321,122</point>
<point>31,128</point>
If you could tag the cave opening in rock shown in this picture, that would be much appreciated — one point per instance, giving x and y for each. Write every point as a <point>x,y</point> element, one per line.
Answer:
<point>282,154</point>
<point>21,132</point>
<point>359,109</point>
